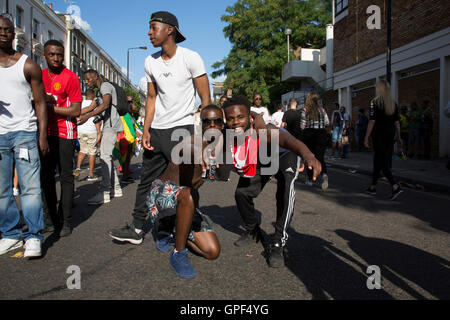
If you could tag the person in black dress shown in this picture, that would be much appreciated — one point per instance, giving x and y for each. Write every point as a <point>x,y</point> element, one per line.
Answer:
<point>384,121</point>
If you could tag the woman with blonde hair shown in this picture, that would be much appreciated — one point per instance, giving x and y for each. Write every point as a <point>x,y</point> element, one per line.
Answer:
<point>313,123</point>
<point>384,121</point>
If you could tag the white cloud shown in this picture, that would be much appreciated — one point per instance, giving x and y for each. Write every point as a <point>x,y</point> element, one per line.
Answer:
<point>75,12</point>
<point>143,83</point>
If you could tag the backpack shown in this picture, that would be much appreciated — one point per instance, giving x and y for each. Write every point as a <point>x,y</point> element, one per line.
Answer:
<point>122,100</point>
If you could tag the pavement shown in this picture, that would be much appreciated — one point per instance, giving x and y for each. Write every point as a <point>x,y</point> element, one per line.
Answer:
<point>335,236</point>
<point>430,175</point>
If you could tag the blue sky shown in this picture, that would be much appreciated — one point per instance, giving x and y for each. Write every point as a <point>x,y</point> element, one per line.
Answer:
<point>119,25</point>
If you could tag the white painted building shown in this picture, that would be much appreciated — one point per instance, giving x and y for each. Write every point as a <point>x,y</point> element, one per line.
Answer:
<point>35,24</point>
<point>312,72</point>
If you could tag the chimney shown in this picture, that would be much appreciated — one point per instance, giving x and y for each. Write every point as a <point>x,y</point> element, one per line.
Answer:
<point>50,5</point>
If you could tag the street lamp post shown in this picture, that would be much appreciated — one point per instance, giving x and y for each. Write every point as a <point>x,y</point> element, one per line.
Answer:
<point>389,40</point>
<point>128,60</point>
<point>288,32</point>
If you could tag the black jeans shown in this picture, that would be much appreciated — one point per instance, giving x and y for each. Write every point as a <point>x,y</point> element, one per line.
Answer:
<point>62,152</point>
<point>249,189</point>
<point>383,146</point>
<point>154,164</point>
<point>316,140</point>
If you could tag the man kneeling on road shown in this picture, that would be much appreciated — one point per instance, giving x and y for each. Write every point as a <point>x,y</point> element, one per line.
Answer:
<point>173,203</point>
<point>255,135</point>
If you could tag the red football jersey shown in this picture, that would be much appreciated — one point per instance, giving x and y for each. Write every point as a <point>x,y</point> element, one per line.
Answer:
<point>245,157</point>
<point>65,87</point>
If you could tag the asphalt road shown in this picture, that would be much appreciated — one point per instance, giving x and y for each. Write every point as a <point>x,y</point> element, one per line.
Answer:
<point>334,237</point>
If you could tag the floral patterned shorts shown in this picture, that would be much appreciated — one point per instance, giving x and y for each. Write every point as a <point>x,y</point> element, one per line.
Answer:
<point>163,196</point>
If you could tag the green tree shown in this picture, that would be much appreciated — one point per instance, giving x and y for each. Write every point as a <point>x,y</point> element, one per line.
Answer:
<point>137,99</point>
<point>256,30</point>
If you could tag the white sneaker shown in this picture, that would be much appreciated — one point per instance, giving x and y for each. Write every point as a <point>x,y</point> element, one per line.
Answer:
<point>7,245</point>
<point>32,248</point>
<point>117,193</point>
<point>16,192</point>
<point>100,198</point>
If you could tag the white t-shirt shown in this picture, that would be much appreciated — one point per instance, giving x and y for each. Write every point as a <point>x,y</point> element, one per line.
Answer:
<point>174,79</point>
<point>88,127</point>
<point>264,111</point>
<point>277,119</point>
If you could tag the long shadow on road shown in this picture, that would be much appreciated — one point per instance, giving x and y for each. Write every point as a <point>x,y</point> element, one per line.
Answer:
<point>322,269</point>
<point>397,260</point>
<point>348,191</point>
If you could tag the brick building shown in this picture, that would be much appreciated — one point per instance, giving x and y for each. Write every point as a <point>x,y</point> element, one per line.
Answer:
<point>420,57</point>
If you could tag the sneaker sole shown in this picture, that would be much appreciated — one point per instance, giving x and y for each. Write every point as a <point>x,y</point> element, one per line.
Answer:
<point>32,255</point>
<point>132,241</point>
<point>98,203</point>
<point>183,277</point>
<point>15,247</point>
<point>397,195</point>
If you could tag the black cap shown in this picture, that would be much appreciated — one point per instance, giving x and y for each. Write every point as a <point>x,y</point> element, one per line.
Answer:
<point>167,17</point>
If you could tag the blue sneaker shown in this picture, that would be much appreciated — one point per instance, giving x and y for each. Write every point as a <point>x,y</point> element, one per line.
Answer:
<point>180,263</point>
<point>165,244</point>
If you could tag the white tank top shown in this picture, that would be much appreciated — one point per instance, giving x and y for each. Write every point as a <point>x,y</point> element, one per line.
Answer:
<point>16,110</point>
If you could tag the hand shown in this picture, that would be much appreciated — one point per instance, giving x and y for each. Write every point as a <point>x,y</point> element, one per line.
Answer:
<point>82,120</point>
<point>99,139</point>
<point>146,141</point>
<point>43,146</point>
<point>366,143</point>
<point>310,162</point>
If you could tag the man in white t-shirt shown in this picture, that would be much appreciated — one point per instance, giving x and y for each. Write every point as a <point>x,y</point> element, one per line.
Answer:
<point>89,135</point>
<point>277,117</point>
<point>258,108</point>
<point>174,75</point>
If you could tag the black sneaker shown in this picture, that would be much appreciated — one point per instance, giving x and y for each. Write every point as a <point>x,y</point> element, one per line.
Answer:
<point>396,193</point>
<point>372,192</point>
<point>275,258</point>
<point>249,237</point>
<point>66,231</point>
<point>126,234</point>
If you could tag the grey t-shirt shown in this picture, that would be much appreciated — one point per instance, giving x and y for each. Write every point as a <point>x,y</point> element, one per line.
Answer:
<point>112,119</point>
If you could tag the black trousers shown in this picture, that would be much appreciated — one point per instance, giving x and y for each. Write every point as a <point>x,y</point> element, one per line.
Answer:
<point>62,152</point>
<point>317,141</point>
<point>249,189</point>
<point>383,146</point>
<point>154,164</point>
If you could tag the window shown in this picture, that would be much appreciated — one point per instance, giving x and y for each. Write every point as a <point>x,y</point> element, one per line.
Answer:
<point>102,68</point>
<point>75,45</point>
<point>90,58</point>
<point>341,5</point>
<point>96,63</point>
<point>50,35</point>
<point>36,26</point>
<point>82,53</point>
<point>19,17</point>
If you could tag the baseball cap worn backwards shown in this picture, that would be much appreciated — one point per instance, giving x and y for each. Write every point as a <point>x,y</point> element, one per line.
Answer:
<point>167,17</point>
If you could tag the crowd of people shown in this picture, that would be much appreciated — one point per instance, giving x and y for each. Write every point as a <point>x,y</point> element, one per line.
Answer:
<point>43,114</point>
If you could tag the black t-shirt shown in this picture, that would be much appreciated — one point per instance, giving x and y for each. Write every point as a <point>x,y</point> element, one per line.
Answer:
<point>292,119</point>
<point>385,124</point>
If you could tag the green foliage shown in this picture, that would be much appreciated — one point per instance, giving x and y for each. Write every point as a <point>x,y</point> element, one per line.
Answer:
<point>137,99</point>
<point>256,30</point>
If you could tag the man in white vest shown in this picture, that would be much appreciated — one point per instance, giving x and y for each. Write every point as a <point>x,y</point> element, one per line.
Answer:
<point>23,134</point>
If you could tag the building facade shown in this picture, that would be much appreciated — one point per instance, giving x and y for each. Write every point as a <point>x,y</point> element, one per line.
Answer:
<point>420,57</point>
<point>36,22</point>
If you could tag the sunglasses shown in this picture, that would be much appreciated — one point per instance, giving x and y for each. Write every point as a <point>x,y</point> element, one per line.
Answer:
<point>208,121</point>
<point>258,99</point>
